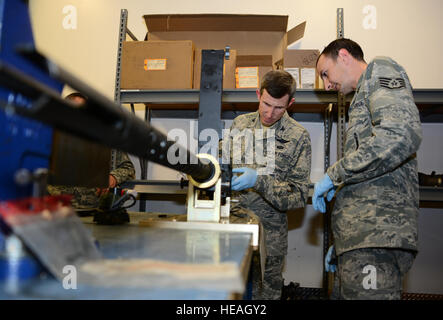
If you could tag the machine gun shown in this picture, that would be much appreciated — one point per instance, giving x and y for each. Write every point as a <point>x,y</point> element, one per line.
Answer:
<point>100,120</point>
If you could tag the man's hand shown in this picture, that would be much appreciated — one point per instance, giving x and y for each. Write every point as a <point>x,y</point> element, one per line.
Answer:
<point>324,185</point>
<point>112,181</point>
<point>244,181</point>
<point>112,184</point>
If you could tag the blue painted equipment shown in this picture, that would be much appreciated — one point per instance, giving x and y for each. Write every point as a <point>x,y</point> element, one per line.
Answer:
<point>24,143</point>
<point>16,263</point>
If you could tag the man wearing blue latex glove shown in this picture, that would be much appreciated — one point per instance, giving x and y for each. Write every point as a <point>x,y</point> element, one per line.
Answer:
<point>374,219</point>
<point>273,156</point>
<point>328,266</point>
<point>246,180</point>
<point>320,188</point>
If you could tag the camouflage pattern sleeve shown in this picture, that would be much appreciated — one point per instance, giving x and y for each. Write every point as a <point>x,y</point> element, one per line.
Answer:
<point>384,106</point>
<point>59,190</point>
<point>82,197</point>
<point>287,189</point>
<point>124,170</point>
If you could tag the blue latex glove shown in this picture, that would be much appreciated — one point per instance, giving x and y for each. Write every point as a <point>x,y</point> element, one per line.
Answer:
<point>244,181</point>
<point>324,185</point>
<point>330,267</point>
<point>331,193</point>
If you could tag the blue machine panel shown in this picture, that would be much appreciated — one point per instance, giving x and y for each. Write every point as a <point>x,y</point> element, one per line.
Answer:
<point>24,143</point>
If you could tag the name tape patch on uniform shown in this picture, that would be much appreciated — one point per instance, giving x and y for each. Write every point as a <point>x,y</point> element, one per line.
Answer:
<point>392,83</point>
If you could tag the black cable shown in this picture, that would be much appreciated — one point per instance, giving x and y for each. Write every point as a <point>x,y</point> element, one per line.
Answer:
<point>132,203</point>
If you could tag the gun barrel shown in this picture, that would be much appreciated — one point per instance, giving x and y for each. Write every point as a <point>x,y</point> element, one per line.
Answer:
<point>100,120</point>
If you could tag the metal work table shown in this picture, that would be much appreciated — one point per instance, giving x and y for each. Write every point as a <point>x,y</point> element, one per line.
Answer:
<point>131,241</point>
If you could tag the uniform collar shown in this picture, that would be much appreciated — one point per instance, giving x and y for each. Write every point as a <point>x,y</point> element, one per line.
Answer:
<point>280,126</point>
<point>360,80</point>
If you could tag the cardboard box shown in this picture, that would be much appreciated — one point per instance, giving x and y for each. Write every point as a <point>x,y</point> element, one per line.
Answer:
<point>251,69</point>
<point>301,64</point>
<point>228,69</point>
<point>157,65</point>
<point>248,34</point>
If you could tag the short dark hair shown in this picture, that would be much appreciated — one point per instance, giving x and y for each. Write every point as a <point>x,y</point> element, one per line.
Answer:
<point>278,83</point>
<point>76,95</point>
<point>334,47</point>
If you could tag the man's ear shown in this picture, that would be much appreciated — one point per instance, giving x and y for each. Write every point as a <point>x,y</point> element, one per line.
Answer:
<point>258,94</point>
<point>344,55</point>
<point>290,102</point>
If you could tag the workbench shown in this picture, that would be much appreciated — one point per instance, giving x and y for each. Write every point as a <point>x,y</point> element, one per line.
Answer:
<point>179,247</point>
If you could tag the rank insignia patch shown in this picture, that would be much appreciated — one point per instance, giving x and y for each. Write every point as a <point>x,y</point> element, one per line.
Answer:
<point>392,83</point>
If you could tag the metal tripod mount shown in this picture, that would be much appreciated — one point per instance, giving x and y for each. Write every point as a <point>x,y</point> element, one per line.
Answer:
<point>210,200</point>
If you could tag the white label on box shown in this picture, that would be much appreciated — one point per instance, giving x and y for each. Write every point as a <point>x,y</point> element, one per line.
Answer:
<point>246,77</point>
<point>307,78</point>
<point>295,73</point>
<point>155,64</point>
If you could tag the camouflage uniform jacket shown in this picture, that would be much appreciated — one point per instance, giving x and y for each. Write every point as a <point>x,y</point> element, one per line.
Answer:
<point>377,203</point>
<point>86,198</point>
<point>286,186</point>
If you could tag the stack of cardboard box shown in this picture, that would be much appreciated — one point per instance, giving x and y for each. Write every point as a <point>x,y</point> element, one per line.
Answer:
<point>171,56</point>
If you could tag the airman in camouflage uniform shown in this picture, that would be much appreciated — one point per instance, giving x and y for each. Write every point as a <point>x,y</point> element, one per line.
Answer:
<point>374,219</point>
<point>284,187</point>
<point>87,198</point>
